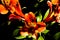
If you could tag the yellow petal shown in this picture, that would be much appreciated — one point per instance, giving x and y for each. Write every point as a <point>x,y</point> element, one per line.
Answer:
<point>7,2</point>
<point>58,18</point>
<point>41,29</point>
<point>52,14</point>
<point>24,34</point>
<point>54,2</point>
<point>12,9</point>
<point>34,36</point>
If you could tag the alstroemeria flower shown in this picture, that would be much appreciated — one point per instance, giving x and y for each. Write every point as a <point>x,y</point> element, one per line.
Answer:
<point>54,15</point>
<point>11,5</point>
<point>31,26</point>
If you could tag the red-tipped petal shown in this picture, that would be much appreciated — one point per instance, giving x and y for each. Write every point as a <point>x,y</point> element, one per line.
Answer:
<point>49,4</point>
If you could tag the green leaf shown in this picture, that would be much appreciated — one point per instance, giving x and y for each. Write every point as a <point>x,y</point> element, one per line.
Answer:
<point>40,0</point>
<point>36,5</point>
<point>46,14</point>
<point>40,38</point>
<point>52,23</point>
<point>20,26</point>
<point>57,36</point>
<point>15,32</point>
<point>20,37</point>
<point>39,17</point>
<point>46,31</point>
<point>30,35</point>
<point>33,39</point>
<point>9,22</point>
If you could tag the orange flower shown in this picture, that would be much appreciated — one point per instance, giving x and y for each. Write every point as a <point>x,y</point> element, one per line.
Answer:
<point>41,27</point>
<point>30,17</point>
<point>31,26</point>
<point>13,6</point>
<point>16,8</point>
<point>55,14</point>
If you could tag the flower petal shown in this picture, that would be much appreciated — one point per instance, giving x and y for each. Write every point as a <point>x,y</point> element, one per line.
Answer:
<point>49,4</point>
<point>41,24</point>
<point>54,2</point>
<point>24,34</point>
<point>58,18</point>
<point>30,17</point>
<point>6,2</point>
<point>41,29</point>
<point>13,2</point>
<point>27,18</point>
<point>19,10</point>
<point>3,10</point>
<point>49,17</point>
<point>34,36</point>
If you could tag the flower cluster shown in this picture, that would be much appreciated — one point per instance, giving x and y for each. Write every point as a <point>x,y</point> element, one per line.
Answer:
<point>12,6</point>
<point>30,26</point>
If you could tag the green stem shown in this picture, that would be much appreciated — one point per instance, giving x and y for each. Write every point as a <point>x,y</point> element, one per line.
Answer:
<point>40,33</point>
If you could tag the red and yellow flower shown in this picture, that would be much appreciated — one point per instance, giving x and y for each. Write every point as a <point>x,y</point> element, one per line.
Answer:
<point>54,15</point>
<point>11,5</point>
<point>31,26</point>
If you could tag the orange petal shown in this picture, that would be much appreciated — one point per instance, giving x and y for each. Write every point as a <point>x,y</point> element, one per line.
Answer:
<point>3,9</point>
<point>12,9</point>
<point>19,10</point>
<point>7,2</point>
<point>13,2</point>
<point>54,2</point>
<point>27,18</point>
<point>41,29</point>
<point>32,14</point>
<point>30,17</point>
<point>41,24</point>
